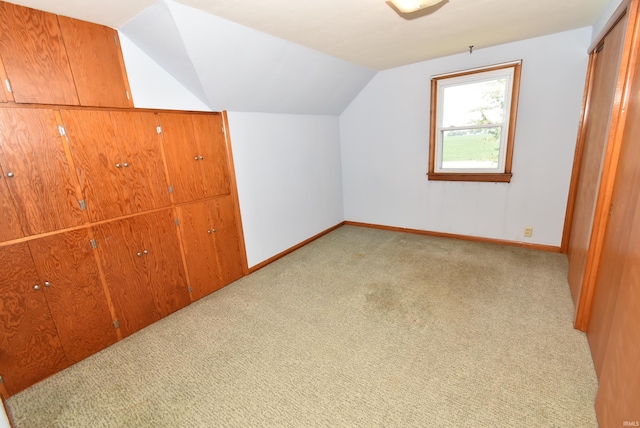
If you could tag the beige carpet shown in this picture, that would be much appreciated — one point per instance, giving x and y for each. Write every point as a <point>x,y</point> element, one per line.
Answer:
<point>361,328</point>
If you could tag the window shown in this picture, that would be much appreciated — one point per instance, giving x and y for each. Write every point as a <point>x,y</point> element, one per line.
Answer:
<point>473,115</point>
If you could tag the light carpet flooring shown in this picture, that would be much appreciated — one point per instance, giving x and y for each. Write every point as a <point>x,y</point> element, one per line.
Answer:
<point>361,328</point>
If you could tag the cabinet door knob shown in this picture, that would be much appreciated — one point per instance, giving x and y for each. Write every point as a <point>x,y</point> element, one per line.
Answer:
<point>209,231</point>
<point>36,287</point>
<point>47,284</point>
<point>146,251</point>
<point>195,158</point>
<point>200,157</point>
<point>139,254</point>
<point>126,165</point>
<point>118,165</point>
<point>10,174</point>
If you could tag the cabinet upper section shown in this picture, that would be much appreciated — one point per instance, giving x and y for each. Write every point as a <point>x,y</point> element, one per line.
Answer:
<point>50,59</point>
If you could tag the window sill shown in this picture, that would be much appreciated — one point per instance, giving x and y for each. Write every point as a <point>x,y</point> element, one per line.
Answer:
<point>461,176</point>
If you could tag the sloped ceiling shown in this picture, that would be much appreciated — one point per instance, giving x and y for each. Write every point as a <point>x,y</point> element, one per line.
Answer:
<point>229,66</point>
<point>292,56</point>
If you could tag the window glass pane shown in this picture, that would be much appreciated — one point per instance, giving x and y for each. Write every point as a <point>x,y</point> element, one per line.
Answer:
<point>471,148</point>
<point>478,103</point>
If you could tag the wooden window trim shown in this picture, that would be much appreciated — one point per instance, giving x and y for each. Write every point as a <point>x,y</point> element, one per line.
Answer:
<point>504,177</point>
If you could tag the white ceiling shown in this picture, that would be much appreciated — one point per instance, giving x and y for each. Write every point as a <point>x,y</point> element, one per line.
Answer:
<point>368,32</point>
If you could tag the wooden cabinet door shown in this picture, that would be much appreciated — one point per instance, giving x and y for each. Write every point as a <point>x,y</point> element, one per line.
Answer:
<point>68,271</point>
<point>38,175</point>
<point>229,247</point>
<point>30,349</point>
<point>196,226</point>
<point>141,147</point>
<point>96,62</point>
<point>9,222</point>
<point>118,160</point>
<point>211,243</point>
<point>143,268</point>
<point>183,157</point>
<point>211,146</point>
<point>34,56</point>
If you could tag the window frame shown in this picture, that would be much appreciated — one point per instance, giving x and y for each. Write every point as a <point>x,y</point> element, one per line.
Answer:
<point>436,128</point>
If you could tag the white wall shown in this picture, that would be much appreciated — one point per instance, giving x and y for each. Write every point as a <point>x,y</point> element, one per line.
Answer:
<point>385,138</point>
<point>288,170</point>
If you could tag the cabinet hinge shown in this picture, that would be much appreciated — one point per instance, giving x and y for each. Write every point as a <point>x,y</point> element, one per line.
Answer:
<point>159,129</point>
<point>8,85</point>
<point>128,95</point>
<point>170,188</point>
<point>115,40</point>
<point>62,131</point>
<point>611,209</point>
<point>176,221</point>
<point>1,379</point>
<point>94,244</point>
<point>116,324</point>
<point>83,204</point>
<point>190,289</point>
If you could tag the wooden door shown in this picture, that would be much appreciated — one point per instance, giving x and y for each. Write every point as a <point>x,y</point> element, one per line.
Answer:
<point>9,222</point>
<point>196,226</point>
<point>141,146</point>
<point>618,398</point>
<point>595,132</point>
<point>227,239</point>
<point>183,157</point>
<point>38,175</point>
<point>30,349</point>
<point>163,261</point>
<point>143,268</point>
<point>96,62</point>
<point>211,147</point>
<point>34,56</point>
<point>69,273</point>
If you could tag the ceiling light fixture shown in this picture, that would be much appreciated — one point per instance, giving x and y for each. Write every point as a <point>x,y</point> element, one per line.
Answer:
<point>408,6</point>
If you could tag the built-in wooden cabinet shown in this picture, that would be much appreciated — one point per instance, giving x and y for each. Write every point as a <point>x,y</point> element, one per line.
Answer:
<point>211,243</point>
<point>117,156</point>
<point>36,171</point>
<point>34,56</point>
<point>96,61</point>
<point>195,147</point>
<point>50,59</point>
<point>70,280</point>
<point>143,268</point>
<point>92,248</point>
<point>30,347</point>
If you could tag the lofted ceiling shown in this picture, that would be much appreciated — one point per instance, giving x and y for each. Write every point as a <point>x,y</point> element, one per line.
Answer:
<point>369,33</point>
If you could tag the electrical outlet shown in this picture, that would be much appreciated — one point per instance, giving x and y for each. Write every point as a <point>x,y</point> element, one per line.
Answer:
<point>528,232</point>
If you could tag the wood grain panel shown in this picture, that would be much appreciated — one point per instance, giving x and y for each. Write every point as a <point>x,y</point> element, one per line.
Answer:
<point>126,274</point>
<point>596,129</point>
<point>76,299</point>
<point>164,262</point>
<point>34,56</point>
<point>94,57</point>
<point>623,217</point>
<point>92,139</point>
<point>227,241</point>
<point>183,164</point>
<point>141,147</point>
<point>29,346</point>
<point>618,395</point>
<point>9,221</point>
<point>211,146</point>
<point>42,187</point>
<point>199,247</point>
